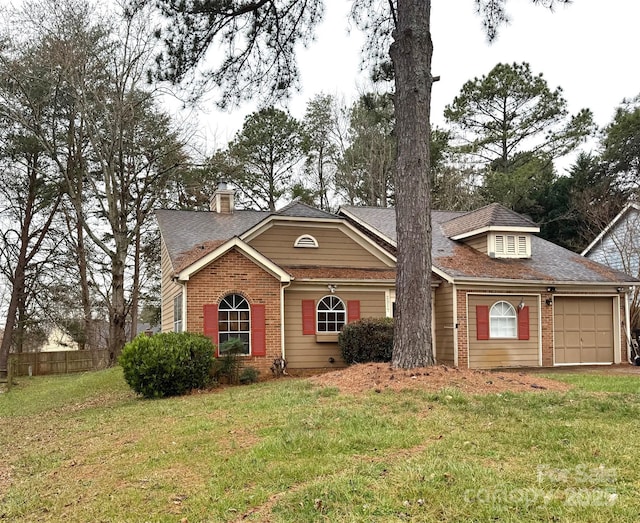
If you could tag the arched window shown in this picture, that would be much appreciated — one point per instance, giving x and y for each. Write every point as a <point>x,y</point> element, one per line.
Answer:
<point>330,314</point>
<point>503,322</point>
<point>234,320</point>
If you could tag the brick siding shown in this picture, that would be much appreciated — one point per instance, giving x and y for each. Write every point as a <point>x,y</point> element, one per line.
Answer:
<point>234,273</point>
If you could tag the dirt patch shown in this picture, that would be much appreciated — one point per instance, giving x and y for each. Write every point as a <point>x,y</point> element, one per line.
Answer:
<point>381,376</point>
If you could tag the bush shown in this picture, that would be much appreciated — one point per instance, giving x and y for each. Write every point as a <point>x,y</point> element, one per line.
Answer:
<point>369,339</point>
<point>249,375</point>
<point>167,364</point>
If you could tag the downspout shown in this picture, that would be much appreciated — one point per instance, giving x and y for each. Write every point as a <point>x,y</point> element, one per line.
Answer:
<point>185,327</point>
<point>627,327</point>
<point>282,288</point>
<point>455,326</point>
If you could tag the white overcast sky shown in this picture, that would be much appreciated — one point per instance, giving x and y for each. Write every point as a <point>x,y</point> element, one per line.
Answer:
<point>590,48</point>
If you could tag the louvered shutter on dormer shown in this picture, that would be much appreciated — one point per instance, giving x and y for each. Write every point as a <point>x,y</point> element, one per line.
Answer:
<point>499,244</point>
<point>522,245</point>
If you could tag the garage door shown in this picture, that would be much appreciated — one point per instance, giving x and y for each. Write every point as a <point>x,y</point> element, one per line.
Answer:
<point>583,330</point>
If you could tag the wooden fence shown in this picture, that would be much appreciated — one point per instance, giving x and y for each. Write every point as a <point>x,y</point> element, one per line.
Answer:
<point>61,362</point>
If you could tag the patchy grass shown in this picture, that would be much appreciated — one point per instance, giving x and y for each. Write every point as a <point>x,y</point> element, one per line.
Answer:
<point>84,448</point>
<point>629,384</point>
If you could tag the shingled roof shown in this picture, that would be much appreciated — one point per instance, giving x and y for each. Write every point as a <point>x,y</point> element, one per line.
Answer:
<point>549,262</point>
<point>182,231</point>
<point>490,216</point>
<point>189,235</point>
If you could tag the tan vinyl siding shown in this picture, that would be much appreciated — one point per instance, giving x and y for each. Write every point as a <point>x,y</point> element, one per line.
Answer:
<point>504,352</point>
<point>169,290</point>
<point>303,351</point>
<point>444,324</point>
<point>479,243</point>
<point>335,249</point>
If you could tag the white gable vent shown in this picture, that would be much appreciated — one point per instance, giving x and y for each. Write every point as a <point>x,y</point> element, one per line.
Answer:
<point>306,240</point>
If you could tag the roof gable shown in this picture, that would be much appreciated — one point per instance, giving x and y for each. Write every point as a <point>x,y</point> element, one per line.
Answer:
<point>622,216</point>
<point>302,210</point>
<point>192,236</point>
<point>184,231</point>
<point>234,243</point>
<point>493,217</point>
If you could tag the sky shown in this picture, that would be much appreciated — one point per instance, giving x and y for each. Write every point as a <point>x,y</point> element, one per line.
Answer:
<point>589,50</point>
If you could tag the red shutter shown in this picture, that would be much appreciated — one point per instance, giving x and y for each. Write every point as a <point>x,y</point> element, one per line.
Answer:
<point>353,311</point>
<point>308,317</point>
<point>482,322</point>
<point>258,330</point>
<point>210,313</point>
<point>523,323</point>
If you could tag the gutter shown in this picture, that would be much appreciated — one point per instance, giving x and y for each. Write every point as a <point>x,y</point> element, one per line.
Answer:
<point>503,282</point>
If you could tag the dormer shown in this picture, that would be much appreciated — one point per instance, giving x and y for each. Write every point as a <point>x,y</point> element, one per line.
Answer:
<point>495,231</point>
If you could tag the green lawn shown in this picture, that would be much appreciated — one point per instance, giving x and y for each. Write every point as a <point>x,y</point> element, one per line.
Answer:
<point>84,448</point>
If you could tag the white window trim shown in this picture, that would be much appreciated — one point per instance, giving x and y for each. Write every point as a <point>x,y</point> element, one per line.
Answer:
<point>248,309</point>
<point>178,313</point>
<point>306,241</point>
<point>510,245</point>
<point>337,311</point>
<point>513,317</point>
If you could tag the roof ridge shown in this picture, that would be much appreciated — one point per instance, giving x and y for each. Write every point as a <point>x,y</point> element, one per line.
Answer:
<point>296,202</point>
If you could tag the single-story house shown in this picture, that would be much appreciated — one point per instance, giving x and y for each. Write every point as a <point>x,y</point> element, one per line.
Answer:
<point>286,282</point>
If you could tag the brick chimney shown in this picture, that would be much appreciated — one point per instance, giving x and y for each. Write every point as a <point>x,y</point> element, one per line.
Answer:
<point>222,200</point>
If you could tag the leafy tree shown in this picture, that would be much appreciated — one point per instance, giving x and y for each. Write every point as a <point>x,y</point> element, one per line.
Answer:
<point>320,146</point>
<point>621,143</point>
<point>263,154</point>
<point>511,111</point>
<point>192,185</point>
<point>112,148</point>
<point>592,198</point>
<point>452,186</point>
<point>29,201</point>
<point>367,167</point>
<point>260,39</point>
<point>523,187</point>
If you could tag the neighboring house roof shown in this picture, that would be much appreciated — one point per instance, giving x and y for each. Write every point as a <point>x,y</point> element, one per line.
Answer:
<point>549,263</point>
<point>622,215</point>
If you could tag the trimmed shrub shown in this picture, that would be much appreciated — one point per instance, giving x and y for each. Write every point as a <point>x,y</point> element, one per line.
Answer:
<point>167,364</point>
<point>368,339</point>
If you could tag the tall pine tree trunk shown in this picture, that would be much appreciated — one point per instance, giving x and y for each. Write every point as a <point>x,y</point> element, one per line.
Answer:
<point>411,55</point>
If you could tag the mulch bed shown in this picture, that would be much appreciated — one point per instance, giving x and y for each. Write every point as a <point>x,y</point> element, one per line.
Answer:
<point>378,377</point>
